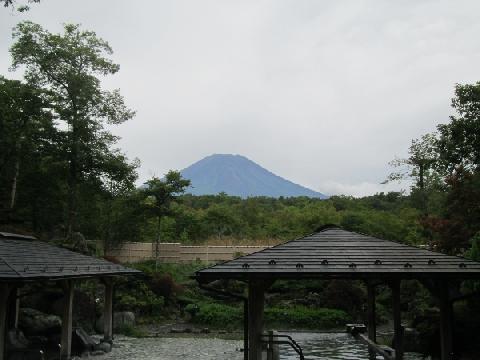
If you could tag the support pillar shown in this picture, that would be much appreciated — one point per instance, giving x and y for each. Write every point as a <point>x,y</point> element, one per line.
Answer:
<point>5,290</point>
<point>397,320</point>
<point>372,326</point>
<point>66,343</point>
<point>256,298</point>
<point>108,311</point>
<point>17,308</point>
<point>245,329</point>
<point>446,322</point>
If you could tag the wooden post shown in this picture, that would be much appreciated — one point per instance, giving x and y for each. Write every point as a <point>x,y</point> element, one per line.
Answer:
<point>397,320</point>
<point>256,297</point>
<point>66,343</point>
<point>245,329</point>
<point>5,290</point>
<point>17,308</point>
<point>446,322</point>
<point>372,326</point>
<point>108,311</point>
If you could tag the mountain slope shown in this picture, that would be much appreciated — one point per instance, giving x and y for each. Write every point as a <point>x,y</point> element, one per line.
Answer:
<point>236,175</point>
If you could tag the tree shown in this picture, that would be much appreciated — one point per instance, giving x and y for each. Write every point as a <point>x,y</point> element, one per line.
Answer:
<point>459,141</point>
<point>66,66</point>
<point>420,166</point>
<point>24,120</point>
<point>21,7</point>
<point>159,195</point>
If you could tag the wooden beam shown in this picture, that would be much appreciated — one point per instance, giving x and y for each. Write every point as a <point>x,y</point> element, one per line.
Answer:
<point>108,311</point>
<point>397,320</point>
<point>446,321</point>
<point>5,290</point>
<point>256,298</point>
<point>371,324</point>
<point>66,342</point>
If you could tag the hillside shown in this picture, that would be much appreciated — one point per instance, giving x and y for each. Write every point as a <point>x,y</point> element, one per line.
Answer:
<point>238,176</point>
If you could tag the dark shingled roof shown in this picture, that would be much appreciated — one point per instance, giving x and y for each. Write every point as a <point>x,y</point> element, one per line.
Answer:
<point>23,258</point>
<point>336,253</point>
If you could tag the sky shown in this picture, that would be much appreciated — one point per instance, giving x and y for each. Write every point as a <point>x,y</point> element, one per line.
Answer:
<point>323,93</point>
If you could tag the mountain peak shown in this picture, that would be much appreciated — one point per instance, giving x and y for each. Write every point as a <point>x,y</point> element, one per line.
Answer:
<point>239,176</point>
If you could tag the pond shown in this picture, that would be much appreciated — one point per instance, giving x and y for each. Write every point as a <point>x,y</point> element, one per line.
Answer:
<point>330,346</point>
<point>316,346</point>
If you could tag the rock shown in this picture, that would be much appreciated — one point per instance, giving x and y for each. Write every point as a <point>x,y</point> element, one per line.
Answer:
<point>81,341</point>
<point>177,330</point>
<point>34,322</point>
<point>97,353</point>
<point>103,346</point>
<point>79,242</point>
<point>16,340</point>
<point>121,320</point>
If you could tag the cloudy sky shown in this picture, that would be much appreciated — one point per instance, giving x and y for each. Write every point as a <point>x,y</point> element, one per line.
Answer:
<point>323,93</point>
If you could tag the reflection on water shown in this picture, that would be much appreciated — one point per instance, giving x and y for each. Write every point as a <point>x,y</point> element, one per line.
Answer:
<point>335,346</point>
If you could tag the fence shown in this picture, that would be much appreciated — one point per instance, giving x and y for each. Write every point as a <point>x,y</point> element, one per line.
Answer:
<point>132,252</point>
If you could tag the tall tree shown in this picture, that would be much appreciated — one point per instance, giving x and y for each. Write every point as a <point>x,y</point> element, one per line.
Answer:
<point>24,119</point>
<point>459,142</point>
<point>67,66</point>
<point>160,193</point>
<point>459,155</point>
<point>420,166</point>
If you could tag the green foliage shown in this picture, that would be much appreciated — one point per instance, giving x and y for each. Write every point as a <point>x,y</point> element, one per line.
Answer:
<point>219,315</point>
<point>137,296</point>
<point>303,317</point>
<point>194,219</point>
<point>445,167</point>
<point>474,251</point>
<point>66,67</point>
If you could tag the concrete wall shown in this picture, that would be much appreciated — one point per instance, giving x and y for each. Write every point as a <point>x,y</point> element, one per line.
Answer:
<point>132,252</point>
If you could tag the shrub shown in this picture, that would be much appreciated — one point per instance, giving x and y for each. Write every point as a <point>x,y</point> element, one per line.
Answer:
<point>306,318</point>
<point>218,315</point>
<point>164,285</point>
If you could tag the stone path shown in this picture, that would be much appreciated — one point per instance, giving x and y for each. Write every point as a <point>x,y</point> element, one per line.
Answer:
<point>174,349</point>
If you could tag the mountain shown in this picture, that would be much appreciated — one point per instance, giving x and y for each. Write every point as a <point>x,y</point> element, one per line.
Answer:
<point>236,175</point>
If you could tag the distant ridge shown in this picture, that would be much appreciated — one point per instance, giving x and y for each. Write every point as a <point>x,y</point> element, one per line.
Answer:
<point>238,176</point>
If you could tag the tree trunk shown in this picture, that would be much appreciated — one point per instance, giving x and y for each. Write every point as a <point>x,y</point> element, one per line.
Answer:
<point>72,182</point>
<point>13,192</point>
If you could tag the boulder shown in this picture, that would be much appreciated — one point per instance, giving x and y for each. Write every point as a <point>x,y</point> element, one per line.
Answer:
<point>104,347</point>
<point>79,242</point>
<point>16,340</point>
<point>34,322</point>
<point>81,341</point>
<point>121,320</point>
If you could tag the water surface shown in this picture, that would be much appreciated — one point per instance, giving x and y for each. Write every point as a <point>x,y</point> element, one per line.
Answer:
<point>330,346</point>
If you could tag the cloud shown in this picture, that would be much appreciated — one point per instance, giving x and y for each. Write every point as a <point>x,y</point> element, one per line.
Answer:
<point>363,188</point>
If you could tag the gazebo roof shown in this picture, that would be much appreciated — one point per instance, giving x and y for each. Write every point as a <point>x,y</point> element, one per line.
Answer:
<point>336,253</point>
<point>23,258</point>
